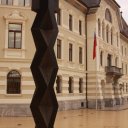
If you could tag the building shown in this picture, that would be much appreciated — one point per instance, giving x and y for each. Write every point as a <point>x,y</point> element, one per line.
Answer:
<point>82,81</point>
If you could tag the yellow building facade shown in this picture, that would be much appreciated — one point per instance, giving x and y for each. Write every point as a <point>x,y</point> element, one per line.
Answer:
<point>82,82</point>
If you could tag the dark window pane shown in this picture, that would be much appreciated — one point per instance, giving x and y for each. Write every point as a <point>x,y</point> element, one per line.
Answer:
<point>70,22</point>
<point>13,82</point>
<point>59,17</point>
<point>80,85</point>
<point>71,85</point>
<point>70,52</point>
<point>15,35</point>
<point>108,16</point>
<point>18,40</point>
<point>58,48</point>
<point>80,27</point>
<point>80,55</point>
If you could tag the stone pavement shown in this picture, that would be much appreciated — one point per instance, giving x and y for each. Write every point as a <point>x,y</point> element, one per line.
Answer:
<point>83,118</point>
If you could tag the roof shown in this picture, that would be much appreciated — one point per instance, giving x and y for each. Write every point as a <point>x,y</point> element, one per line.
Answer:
<point>124,29</point>
<point>91,3</point>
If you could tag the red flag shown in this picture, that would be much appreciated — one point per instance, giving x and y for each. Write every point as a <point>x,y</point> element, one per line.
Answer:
<point>94,47</point>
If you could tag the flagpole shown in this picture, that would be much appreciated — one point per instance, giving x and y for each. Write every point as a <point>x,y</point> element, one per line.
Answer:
<point>96,79</point>
<point>95,57</point>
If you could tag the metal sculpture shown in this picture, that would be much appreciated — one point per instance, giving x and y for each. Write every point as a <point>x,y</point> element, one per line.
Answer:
<point>44,66</point>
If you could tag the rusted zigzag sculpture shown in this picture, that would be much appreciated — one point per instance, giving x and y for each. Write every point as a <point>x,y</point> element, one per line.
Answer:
<point>44,66</point>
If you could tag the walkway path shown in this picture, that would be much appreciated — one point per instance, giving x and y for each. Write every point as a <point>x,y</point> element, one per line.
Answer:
<point>75,119</point>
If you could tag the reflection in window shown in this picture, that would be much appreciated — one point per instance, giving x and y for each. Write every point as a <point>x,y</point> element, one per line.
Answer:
<point>14,36</point>
<point>13,82</point>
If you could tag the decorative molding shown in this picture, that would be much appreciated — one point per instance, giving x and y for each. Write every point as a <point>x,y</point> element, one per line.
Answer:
<point>15,15</point>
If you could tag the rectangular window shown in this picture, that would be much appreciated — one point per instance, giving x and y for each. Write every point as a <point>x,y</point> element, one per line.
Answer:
<point>117,39</point>
<point>14,36</point>
<point>59,17</point>
<point>109,60</point>
<point>125,51</point>
<point>122,68</point>
<point>80,55</point>
<point>126,68</point>
<point>7,2</point>
<point>24,2</point>
<point>58,48</point>
<point>27,2</point>
<point>70,52</point>
<point>21,2</point>
<point>122,50</point>
<point>70,22</point>
<point>80,27</point>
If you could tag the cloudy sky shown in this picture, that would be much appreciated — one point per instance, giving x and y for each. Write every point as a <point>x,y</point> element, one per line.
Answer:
<point>124,8</point>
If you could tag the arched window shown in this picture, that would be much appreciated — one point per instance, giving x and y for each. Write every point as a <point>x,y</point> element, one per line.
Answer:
<point>71,85</point>
<point>109,60</point>
<point>111,36</point>
<point>117,39</point>
<point>107,33</point>
<point>80,85</point>
<point>108,16</point>
<point>116,62</point>
<point>99,27</point>
<point>126,87</point>
<point>101,58</point>
<point>13,82</point>
<point>59,84</point>
<point>103,29</point>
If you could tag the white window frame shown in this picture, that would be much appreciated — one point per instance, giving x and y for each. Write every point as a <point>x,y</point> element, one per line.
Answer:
<point>16,18</point>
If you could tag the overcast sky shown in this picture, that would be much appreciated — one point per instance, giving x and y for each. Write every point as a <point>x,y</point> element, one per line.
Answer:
<point>124,8</point>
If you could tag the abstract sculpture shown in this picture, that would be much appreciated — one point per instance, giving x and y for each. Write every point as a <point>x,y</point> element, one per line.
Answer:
<point>44,67</point>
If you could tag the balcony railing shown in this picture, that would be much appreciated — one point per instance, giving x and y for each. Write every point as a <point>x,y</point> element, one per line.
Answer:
<point>113,70</point>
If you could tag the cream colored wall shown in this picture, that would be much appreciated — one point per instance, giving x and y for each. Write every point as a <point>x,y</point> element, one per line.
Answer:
<point>10,60</point>
<point>66,68</point>
<point>124,60</point>
<point>96,72</point>
<point>19,60</point>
